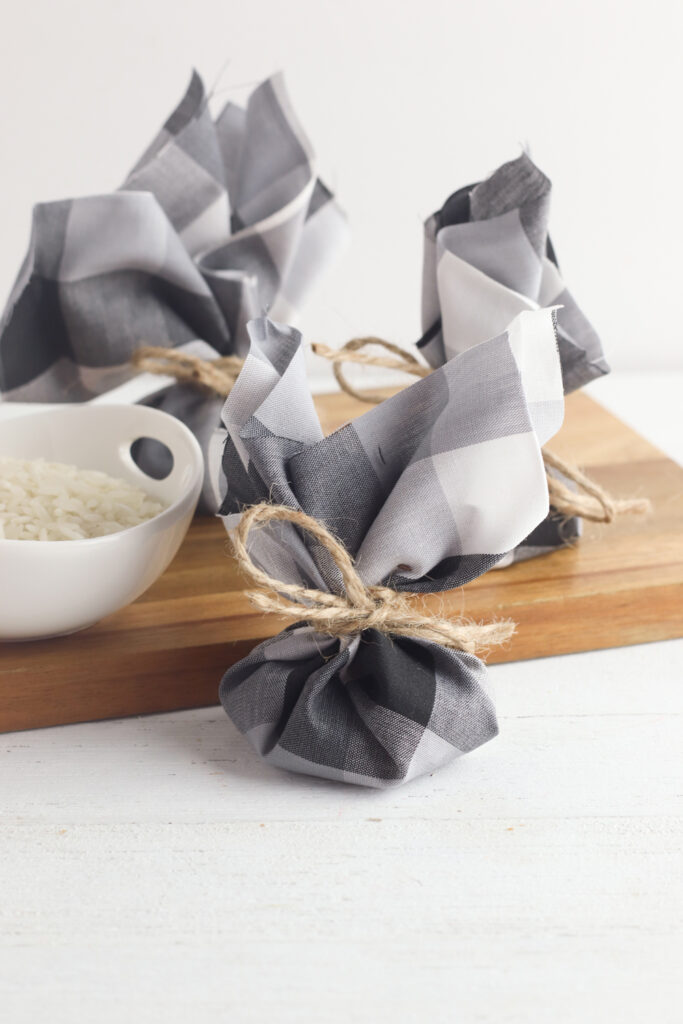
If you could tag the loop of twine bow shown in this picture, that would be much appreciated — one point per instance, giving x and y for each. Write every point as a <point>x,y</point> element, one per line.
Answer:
<point>361,607</point>
<point>217,375</point>
<point>592,502</point>
<point>352,352</point>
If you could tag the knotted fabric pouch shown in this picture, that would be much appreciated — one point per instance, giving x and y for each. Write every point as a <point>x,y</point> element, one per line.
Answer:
<point>426,492</point>
<point>487,256</point>
<point>219,219</point>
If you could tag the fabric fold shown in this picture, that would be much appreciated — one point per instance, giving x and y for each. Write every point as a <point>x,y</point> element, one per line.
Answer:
<point>487,257</point>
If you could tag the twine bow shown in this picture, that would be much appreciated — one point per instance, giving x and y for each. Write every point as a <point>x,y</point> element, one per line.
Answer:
<point>360,607</point>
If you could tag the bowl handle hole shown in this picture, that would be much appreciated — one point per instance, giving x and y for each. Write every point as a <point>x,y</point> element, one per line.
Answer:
<point>153,457</point>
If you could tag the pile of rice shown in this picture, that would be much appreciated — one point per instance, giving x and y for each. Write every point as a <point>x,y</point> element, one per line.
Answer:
<point>42,500</point>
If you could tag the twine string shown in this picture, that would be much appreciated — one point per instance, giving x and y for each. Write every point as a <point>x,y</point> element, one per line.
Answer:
<point>595,503</point>
<point>591,502</point>
<point>352,352</point>
<point>217,375</point>
<point>360,607</point>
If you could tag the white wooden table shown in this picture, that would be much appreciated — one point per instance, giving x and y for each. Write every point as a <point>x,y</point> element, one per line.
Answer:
<point>153,869</point>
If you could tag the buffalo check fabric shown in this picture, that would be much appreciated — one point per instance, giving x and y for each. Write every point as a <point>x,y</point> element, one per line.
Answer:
<point>487,257</point>
<point>427,491</point>
<point>221,219</point>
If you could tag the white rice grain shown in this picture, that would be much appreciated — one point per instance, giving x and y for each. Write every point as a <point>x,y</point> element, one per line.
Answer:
<point>42,500</point>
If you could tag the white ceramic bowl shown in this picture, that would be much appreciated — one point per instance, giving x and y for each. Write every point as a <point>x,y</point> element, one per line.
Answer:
<point>48,588</point>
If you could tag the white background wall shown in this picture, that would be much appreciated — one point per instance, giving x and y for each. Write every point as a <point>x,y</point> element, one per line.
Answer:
<point>404,101</point>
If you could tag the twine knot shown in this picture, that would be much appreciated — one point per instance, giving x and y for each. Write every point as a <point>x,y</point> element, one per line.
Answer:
<point>360,607</point>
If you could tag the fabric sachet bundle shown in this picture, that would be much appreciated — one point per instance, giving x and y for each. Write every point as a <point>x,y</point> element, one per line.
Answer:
<point>425,492</point>
<point>220,219</point>
<point>487,256</point>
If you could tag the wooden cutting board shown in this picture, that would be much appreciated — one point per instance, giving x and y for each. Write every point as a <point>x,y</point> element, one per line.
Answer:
<point>622,584</point>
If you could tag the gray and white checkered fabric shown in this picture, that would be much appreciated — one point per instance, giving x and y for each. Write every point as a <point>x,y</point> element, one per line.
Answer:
<point>488,256</point>
<point>219,220</point>
<point>427,491</point>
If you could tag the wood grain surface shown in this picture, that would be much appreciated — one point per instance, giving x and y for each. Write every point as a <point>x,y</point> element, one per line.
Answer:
<point>622,584</point>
